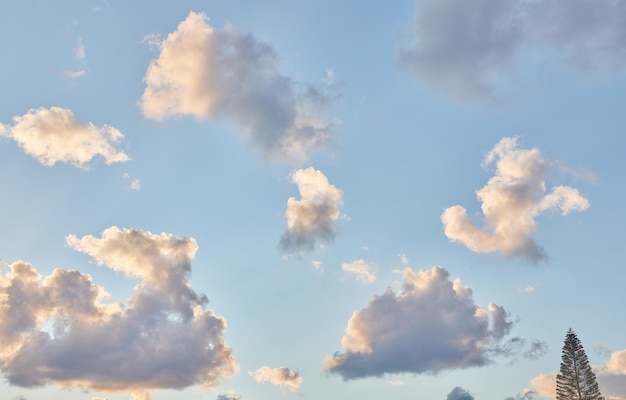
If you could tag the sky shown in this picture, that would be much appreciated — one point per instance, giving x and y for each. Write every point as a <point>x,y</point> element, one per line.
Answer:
<point>310,200</point>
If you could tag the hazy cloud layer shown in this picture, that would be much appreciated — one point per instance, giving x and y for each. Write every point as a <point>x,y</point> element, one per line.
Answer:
<point>458,393</point>
<point>361,269</point>
<point>470,49</point>
<point>54,135</point>
<point>64,329</point>
<point>611,378</point>
<point>315,215</point>
<point>432,324</point>
<point>281,376</point>
<point>511,201</point>
<point>233,77</point>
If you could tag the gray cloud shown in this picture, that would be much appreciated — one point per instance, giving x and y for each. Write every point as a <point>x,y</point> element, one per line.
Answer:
<point>511,201</point>
<point>231,76</point>
<point>458,393</point>
<point>314,216</point>
<point>54,135</point>
<point>470,49</point>
<point>432,324</point>
<point>163,337</point>
<point>229,396</point>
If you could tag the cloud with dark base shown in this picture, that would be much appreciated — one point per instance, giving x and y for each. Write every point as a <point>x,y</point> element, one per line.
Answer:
<point>315,215</point>
<point>431,324</point>
<point>65,330</point>
<point>458,393</point>
<point>230,76</point>
<point>511,201</point>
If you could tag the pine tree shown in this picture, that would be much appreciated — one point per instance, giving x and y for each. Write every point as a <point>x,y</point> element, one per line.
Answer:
<point>576,380</point>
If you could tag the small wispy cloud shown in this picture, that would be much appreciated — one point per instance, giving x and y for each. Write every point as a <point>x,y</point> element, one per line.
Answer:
<point>281,376</point>
<point>361,269</point>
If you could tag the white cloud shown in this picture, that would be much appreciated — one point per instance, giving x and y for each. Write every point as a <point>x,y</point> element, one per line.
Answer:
<point>318,265</point>
<point>361,269</point>
<point>75,74</point>
<point>432,324</point>
<point>65,330</point>
<point>403,259</point>
<point>231,76</point>
<point>315,215</point>
<point>470,49</point>
<point>135,184</point>
<point>54,135</point>
<point>511,201</point>
<point>79,51</point>
<point>281,376</point>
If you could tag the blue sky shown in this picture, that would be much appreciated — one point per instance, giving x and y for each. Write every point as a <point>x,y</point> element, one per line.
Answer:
<point>241,200</point>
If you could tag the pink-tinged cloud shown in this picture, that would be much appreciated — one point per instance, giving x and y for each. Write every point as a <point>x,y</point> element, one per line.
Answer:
<point>511,201</point>
<point>315,215</point>
<point>54,135</point>
<point>64,329</point>
<point>230,76</point>
<point>431,324</point>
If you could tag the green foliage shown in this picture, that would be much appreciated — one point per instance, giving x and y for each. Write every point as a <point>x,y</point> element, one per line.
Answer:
<point>576,380</point>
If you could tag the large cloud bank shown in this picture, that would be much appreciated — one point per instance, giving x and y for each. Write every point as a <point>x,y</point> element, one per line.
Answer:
<point>63,330</point>
<point>432,324</point>
<point>315,215</point>
<point>511,201</point>
<point>54,135</point>
<point>230,76</point>
<point>469,48</point>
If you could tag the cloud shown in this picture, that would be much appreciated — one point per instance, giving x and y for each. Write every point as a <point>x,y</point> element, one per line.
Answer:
<point>135,184</point>
<point>54,135</point>
<point>79,51</point>
<point>470,49</point>
<point>611,378</point>
<point>75,74</point>
<point>281,376</point>
<point>458,393</point>
<point>226,75</point>
<point>511,201</point>
<point>64,329</point>
<point>432,324</point>
<point>361,269</point>
<point>229,396</point>
<point>315,215</point>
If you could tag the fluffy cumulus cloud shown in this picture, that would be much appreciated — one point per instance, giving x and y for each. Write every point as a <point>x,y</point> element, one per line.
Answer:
<point>431,324</point>
<point>231,76</point>
<point>64,329</point>
<point>611,378</point>
<point>55,135</point>
<point>281,376</point>
<point>469,49</point>
<point>511,201</point>
<point>315,215</point>
<point>458,393</point>
<point>361,269</point>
